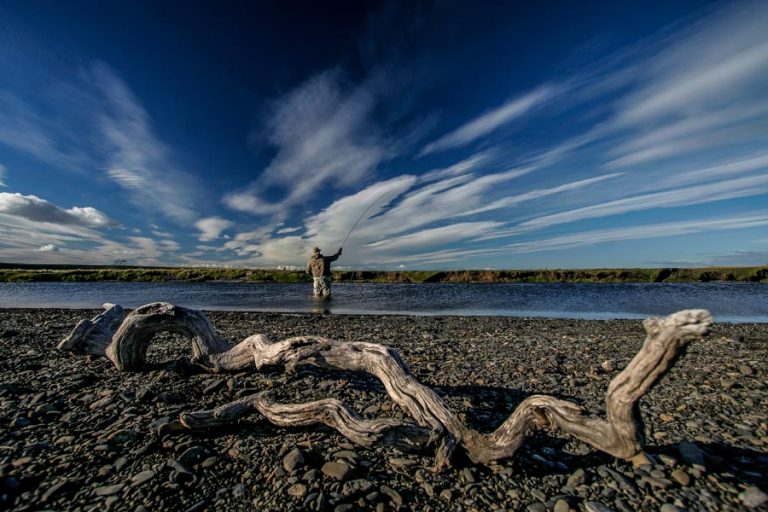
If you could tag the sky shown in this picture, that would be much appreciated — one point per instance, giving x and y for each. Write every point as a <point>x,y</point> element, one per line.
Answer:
<point>449,134</point>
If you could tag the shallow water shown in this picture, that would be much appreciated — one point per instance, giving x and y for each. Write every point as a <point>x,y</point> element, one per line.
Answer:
<point>729,302</point>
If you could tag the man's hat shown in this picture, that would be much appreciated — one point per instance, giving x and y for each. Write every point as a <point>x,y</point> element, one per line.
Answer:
<point>315,250</point>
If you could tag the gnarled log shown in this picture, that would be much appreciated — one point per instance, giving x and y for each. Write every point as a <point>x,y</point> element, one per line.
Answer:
<point>124,340</point>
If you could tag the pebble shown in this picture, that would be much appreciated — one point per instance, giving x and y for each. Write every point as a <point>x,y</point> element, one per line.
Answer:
<point>293,460</point>
<point>596,506</point>
<point>393,495</point>
<point>577,478</point>
<point>561,506</point>
<point>297,490</point>
<point>109,490</point>
<point>141,478</point>
<point>681,477</point>
<point>336,470</point>
<point>753,497</point>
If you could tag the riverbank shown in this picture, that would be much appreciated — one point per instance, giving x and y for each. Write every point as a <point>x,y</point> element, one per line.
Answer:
<point>76,434</point>
<point>10,272</point>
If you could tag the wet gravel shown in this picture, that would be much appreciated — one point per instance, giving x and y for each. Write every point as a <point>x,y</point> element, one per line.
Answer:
<point>77,435</point>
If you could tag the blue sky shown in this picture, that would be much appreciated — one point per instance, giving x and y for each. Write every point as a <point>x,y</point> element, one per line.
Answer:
<point>466,134</point>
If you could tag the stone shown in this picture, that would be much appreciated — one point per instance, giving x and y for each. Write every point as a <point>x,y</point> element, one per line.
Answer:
<point>297,490</point>
<point>596,506</point>
<point>446,494</point>
<point>753,497</point>
<point>577,478</point>
<point>393,495</point>
<point>681,477</point>
<point>336,470</point>
<point>293,460</point>
<point>561,506</point>
<point>609,365</point>
<point>141,478</point>
<point>359,486</point>
<point>669,507</point>
<point>109,490</point>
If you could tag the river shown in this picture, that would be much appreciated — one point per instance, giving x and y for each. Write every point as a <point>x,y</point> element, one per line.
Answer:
<point>728,302</point>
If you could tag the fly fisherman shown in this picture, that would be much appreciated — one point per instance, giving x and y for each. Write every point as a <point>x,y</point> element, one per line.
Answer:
<point>320,267</point>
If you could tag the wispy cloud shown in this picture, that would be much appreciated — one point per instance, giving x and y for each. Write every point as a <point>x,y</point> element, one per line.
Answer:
<point>325,139</point>
<point>211,228</point>
<point>137,160</point>
<point>717,191</point>
<point>490,121</point>
<point>3,172</point>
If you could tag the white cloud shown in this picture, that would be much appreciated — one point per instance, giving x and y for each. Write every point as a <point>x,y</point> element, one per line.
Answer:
<point>211,228</point>
<point>717,191</point>
<point>48,248</point>
<point>434,237</point>
<point>3,172</point>
<point>39,210</point>
<point>324,138</point>
<point>490,121</point>
<point>137,160</point>
<point>580,239</point>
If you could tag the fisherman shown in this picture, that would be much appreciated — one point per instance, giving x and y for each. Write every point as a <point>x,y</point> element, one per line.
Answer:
<point>320,267</point>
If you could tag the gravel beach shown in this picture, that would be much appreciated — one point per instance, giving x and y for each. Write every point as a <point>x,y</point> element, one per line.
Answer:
<point>79,435</point>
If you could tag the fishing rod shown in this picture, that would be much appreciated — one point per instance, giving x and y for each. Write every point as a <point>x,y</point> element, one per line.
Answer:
<point>363,215</point>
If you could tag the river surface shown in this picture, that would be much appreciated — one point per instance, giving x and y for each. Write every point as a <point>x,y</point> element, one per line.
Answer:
<point>728,302</point>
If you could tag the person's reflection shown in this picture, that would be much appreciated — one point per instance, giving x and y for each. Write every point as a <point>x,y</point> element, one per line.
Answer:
<point>321,307</point>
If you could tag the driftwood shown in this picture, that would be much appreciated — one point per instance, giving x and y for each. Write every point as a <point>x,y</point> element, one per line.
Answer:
<point>124,340</point>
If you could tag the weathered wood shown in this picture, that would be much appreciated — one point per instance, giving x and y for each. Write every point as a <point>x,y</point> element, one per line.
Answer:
<point>619,433</point>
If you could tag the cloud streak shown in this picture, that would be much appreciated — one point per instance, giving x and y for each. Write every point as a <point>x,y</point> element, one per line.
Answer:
<point>490,121</point>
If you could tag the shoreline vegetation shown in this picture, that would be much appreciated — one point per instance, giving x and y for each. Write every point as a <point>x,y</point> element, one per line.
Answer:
<point>25,273</point>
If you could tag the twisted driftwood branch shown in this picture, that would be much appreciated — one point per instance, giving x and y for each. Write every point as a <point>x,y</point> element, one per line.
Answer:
<point>124,340</point>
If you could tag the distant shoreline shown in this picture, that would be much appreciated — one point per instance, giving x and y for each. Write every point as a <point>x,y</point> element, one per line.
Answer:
<point>24,273</point>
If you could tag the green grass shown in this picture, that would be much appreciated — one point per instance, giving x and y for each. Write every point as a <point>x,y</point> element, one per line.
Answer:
<point>31,273</point>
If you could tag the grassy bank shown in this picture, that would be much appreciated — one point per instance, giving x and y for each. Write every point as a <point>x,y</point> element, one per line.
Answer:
<point>31,273</point>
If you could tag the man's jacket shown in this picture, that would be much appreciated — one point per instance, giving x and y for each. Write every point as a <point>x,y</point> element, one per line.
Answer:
<point>320,265</point>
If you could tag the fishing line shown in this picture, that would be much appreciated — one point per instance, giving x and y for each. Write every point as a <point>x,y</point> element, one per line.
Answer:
<point>363,215</point>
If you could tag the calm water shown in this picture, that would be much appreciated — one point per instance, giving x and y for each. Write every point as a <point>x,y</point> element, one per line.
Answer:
<point>729,302</point>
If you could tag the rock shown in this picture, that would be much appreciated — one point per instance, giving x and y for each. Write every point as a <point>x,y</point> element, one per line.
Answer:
<point>681,477</point>
<point>109,490</point>
<point>609,365</point>
<point>192,455</point>
<point>467,476</point>
<point>577,478</point>
<point>536,507</point>
<point>359,486</point>
<point>668,507</point>
<point>293,460</point>
<point>561,506</point>
<point>297,490</point>
<point>753,497</point>
<point>393,495</point>
<point>141,478</point>
<point>446,494</point>
<point>746,370</point>
<point>336,470</point>
<point>596,506</point>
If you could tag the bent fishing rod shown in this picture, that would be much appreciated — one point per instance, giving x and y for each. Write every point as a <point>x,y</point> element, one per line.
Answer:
<point>363,215</point>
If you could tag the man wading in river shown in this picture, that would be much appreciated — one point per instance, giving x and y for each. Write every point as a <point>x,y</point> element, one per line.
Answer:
<point>320,267</point>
